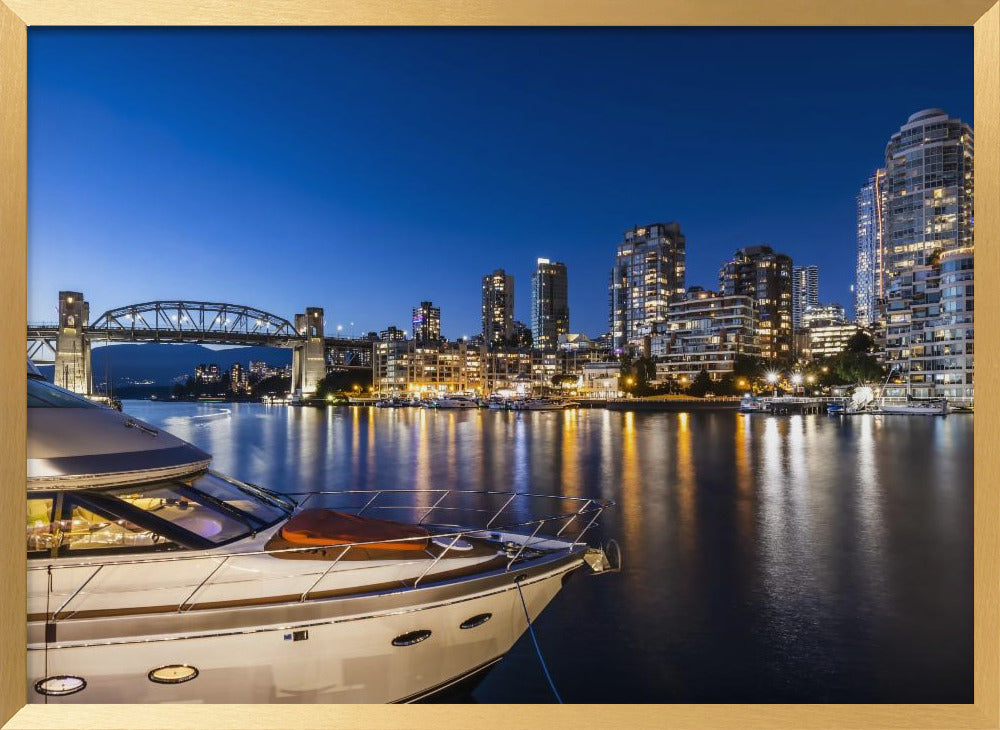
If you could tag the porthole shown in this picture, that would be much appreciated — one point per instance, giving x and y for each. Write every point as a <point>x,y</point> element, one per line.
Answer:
<point>477,620</point>
<point>60,686</point>
<point>411,638</point>
<point>173,674</point>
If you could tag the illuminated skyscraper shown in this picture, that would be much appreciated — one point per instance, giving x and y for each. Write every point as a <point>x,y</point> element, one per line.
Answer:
<point>549,304</point>
<point>427,324</point>
<point>928,190</point>
<point>766,277</point>
<point>929,262</point>
<point>869,285</point>
<point>498,308</point>
<point>805,291</point>
<point>648,271</point>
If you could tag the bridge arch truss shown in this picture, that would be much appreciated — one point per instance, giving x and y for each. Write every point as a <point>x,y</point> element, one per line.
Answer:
<point>210,322</point>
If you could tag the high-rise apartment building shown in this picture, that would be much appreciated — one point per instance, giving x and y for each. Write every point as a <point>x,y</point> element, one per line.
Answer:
<point>498,308</point>
<point>869,284</point>
<point>706,331</point>
<point>928,190</point>
<point>648,271</point>
<point>928,254</point>
<point>929,328</point>
<point>805,291</point>
<point>427,324</point>
<point>766,277</point>
<point>549,304</point>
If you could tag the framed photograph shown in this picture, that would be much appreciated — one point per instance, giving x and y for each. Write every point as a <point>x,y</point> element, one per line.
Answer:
<point>620,357</point>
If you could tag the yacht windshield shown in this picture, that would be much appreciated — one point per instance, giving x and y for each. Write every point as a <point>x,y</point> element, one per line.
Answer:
<point>42,394</point>
<point>215,509</point>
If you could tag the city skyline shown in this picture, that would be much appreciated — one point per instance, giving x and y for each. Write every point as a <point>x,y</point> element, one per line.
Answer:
<point>117,158</point>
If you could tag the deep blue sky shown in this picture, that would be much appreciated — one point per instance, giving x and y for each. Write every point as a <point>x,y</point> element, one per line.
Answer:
<point>363,170</point>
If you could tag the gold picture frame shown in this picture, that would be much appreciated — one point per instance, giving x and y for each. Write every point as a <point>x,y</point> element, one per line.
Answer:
<point>16,15</point>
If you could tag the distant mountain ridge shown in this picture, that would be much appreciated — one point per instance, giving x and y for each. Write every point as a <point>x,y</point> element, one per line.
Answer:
<point>162,363</point>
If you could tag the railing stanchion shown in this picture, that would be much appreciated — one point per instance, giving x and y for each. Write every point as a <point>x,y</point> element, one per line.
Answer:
<point>429,567</point>
<point>497,514</point>
<point>525,544</point>
<point>180,606</point>
<point>578,513</point>
<point>369,502</point>
<point>325,572</point>
<point>55,616</point>
<point>433,506</point>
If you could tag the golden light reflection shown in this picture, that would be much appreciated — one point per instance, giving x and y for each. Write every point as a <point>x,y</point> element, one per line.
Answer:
<point>370,465</point>
<point>631,487</point>
<point>685,480</point>
<point>355,437</point>
<point>570,455</point>
<point>743,438</point>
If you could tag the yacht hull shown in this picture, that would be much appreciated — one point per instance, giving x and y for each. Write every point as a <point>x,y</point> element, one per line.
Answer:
<point>331,650</point>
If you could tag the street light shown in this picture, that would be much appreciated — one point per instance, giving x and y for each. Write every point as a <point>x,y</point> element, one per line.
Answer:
<point>796,381</point>
<point>772,378</point>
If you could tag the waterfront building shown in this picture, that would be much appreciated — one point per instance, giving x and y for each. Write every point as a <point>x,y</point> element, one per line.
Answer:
<point>505,367</point>
<point>427,324</point>
<point>826,331</point>
<point>498,308</point>
<point>929,337</point>
<point>407,367</point>
<point>549,304</point>
<point>208,373</point>
<point>928,332</point>
<point>391,334</point>
<point>705,331</point>
<point>822,315</point>
<point>600,380</point>
<point>805,291</point>
<point>869,284</point>
<point>929,191</point>
<point>649,269</point>
<point>766,277</point>
<point>575,343</point>
<point>237,378</point>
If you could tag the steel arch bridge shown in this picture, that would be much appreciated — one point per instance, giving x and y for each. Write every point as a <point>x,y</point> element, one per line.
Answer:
<point>67,343</point>
<point>201,322</point>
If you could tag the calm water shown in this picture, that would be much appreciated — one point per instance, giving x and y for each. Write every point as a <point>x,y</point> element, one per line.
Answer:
<point>767,559</point>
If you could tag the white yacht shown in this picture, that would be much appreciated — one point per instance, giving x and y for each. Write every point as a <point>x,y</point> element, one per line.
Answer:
<point>153,579</point>
<point>539,404</point>
<point>932,407</point>
<point>455,401</point>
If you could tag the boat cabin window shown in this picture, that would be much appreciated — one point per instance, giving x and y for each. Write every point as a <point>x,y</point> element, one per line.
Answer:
<point>189,510</point>
<point>41,531</point>
<point>200,512</point>
<point>87,527</point>
<point>262,508</point>
<point>42,394</point>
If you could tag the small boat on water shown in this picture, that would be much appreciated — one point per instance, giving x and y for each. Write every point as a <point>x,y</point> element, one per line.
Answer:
<point>862,401</point>
<point>455,401</point>
<point>929,407</point>
<point>539,404</point>
<point>752,404</point>
<point>154,579</point>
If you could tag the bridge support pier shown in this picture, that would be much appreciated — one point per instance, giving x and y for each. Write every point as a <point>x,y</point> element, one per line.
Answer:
<point>309,357</point>
<point>72,369</point>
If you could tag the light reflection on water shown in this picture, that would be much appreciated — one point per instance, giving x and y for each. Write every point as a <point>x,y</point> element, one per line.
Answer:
<point>767,559</point>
